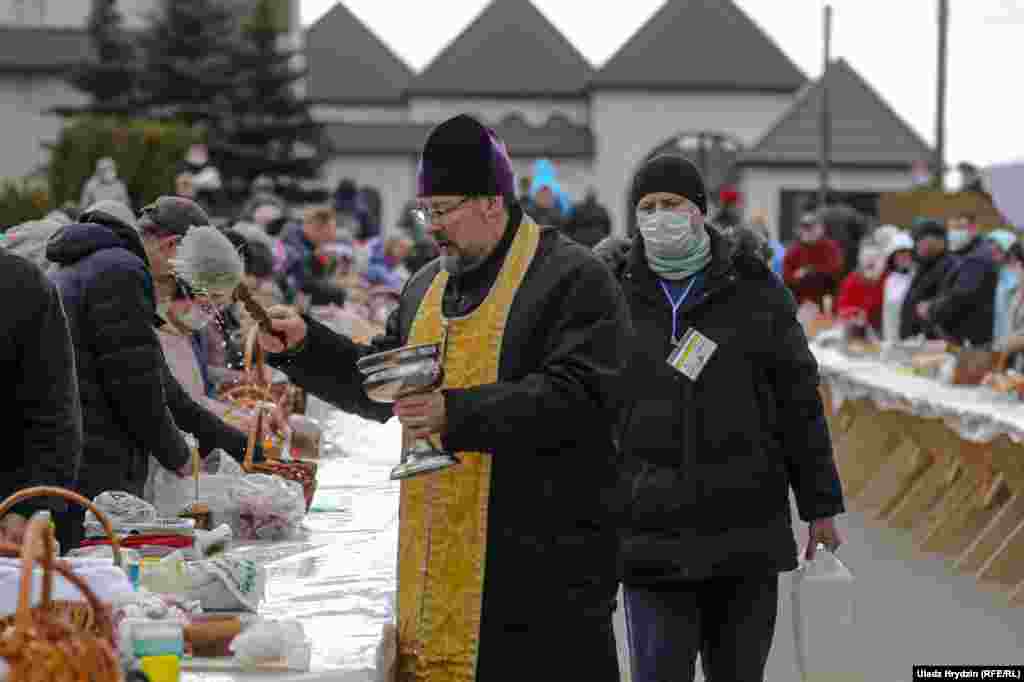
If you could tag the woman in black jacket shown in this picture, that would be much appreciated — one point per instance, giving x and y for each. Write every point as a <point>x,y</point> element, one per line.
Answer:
<point>724,417</point>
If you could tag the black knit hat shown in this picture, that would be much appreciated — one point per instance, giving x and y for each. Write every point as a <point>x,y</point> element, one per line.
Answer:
<point>463,157</point>
<point>670,173</point>
<point>929,228</point>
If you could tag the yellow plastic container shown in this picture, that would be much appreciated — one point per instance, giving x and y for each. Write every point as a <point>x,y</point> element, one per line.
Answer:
<point>161,668</point>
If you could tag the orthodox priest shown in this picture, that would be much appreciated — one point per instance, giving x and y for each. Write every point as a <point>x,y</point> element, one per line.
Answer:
<point>507,561</point>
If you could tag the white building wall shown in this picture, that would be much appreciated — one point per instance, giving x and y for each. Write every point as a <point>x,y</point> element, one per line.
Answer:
<point>23,99</point>
<point>491,111</point>
<point>762,187</point>
<point>393,176</point>
<point>359,114</point>
<point>627,126</point>
<point>68,13</point>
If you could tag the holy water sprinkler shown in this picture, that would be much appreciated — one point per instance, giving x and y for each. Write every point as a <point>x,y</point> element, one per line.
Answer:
<point>208,262</point>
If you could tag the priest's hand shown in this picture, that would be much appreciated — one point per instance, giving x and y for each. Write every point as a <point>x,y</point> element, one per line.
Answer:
<point>289,323</point>
<point>424,414</point>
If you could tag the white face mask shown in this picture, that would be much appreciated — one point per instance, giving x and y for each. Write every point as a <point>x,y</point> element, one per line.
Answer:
<point>667,228</point>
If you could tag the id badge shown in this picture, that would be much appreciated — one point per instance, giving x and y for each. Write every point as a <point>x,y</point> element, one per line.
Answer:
<point>692,353</point>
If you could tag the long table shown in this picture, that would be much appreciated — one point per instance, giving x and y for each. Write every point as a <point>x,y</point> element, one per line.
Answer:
<point>945,462</point>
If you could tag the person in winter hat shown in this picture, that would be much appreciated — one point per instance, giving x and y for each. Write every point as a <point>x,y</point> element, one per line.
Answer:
<point>536,332</point>
<point>112,270</point>
<point>963,310</point>
<point>899,266</point>
<point>723,417</point>
<point>862,292</point>
<point>812,267</point>
<point>934,264</point>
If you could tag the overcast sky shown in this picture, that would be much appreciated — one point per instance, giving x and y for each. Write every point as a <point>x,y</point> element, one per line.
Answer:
<point>892,43</point>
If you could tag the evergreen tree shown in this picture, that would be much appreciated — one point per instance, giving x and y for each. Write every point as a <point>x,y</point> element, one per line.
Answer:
<point>110,75</point>
<point>270,130</point>
<point>187,56</point>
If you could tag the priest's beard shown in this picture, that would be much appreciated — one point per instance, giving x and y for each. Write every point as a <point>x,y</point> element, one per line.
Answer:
<point>456,262</point>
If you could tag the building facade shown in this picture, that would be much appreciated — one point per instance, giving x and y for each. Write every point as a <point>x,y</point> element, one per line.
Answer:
<point>699,77</point>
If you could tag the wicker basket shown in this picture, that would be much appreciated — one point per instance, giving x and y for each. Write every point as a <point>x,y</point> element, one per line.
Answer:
<point>255,388</point>
<point>41,644</point>
<point>81,615</point>
<point>972,366</point>
<point>302,472</point>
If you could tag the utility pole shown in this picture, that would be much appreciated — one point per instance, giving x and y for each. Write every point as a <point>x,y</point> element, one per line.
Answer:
<point>825,124</point>
<point>939,164</point>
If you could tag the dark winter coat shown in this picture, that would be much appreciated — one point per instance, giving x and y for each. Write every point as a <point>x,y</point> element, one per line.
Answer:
<point>304,272</point>
<point>925,285</point>
<point>588,224</point>
<point>710,462</point>
<point>964,310</point>
<point>42,418</point>
<point>131,404</point>
<point>548,423</point>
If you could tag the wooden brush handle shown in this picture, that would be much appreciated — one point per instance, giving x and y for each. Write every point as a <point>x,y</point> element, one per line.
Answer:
<point>243,294</point>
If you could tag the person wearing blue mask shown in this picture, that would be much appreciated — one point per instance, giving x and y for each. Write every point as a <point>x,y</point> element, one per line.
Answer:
<point>1001,241</point>
<point>723,417</point>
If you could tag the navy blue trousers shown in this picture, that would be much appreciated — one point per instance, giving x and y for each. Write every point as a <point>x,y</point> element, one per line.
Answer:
<point>730,622</point>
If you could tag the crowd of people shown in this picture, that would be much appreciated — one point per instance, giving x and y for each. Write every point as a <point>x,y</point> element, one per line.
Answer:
<point>587,381</point>
<point>935,279</point>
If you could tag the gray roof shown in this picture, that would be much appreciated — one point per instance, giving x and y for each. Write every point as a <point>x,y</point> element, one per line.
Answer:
<point>706,45</point>
<point>349,64</point>
<point>558,138</point>
<point>509,50</point>
<point>30,49</point>
<point>865,131</point>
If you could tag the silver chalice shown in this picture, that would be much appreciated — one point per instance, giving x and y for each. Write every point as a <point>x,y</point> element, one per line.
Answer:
<point>396,374</point>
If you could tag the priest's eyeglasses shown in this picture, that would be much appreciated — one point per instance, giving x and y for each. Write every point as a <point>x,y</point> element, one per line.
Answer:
<point>427,216</point>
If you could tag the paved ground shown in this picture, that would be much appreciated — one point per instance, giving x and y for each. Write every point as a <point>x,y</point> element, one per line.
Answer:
<point>912,609</point>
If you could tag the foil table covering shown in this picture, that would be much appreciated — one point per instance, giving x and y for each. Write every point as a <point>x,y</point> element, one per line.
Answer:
<point>976,413</point>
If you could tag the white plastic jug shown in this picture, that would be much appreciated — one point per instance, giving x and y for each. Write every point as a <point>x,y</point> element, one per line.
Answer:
<point>823,620</point>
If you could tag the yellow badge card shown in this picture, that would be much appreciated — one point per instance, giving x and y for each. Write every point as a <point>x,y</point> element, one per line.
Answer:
<point>692,353</point>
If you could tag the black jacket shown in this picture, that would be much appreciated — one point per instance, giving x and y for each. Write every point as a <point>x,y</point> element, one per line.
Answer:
<point>925,286</point>
<point>589,223</point>
<point>964,309</point>
<point>548,422</point>
<point>710,462</point>
<point>42,417</point>
<point>131,404</point>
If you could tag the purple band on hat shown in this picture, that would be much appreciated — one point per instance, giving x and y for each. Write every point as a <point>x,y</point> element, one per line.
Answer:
<point>504,177</point>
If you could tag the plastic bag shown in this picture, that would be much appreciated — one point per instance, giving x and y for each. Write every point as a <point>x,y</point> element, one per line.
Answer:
<point>121,508</point>
<point>171,495</point>
<point>227,584</point>
<point>269,507</point>
<point>267,641</point>
<point>827,647</point>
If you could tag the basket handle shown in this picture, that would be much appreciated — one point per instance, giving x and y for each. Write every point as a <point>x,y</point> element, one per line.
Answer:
<point>39,536</point>
<point>71,496</point>
<point>255,434</point>
<point>254,357</point>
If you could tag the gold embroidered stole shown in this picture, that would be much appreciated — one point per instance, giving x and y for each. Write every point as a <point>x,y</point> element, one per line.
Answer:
<point>443,515</point>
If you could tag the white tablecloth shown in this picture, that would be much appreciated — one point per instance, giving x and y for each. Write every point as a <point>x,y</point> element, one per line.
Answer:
<point>338,580</point>
<point>976,413</point>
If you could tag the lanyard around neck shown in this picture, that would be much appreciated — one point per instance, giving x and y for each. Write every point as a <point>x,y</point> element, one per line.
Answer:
<point>676,305</point>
